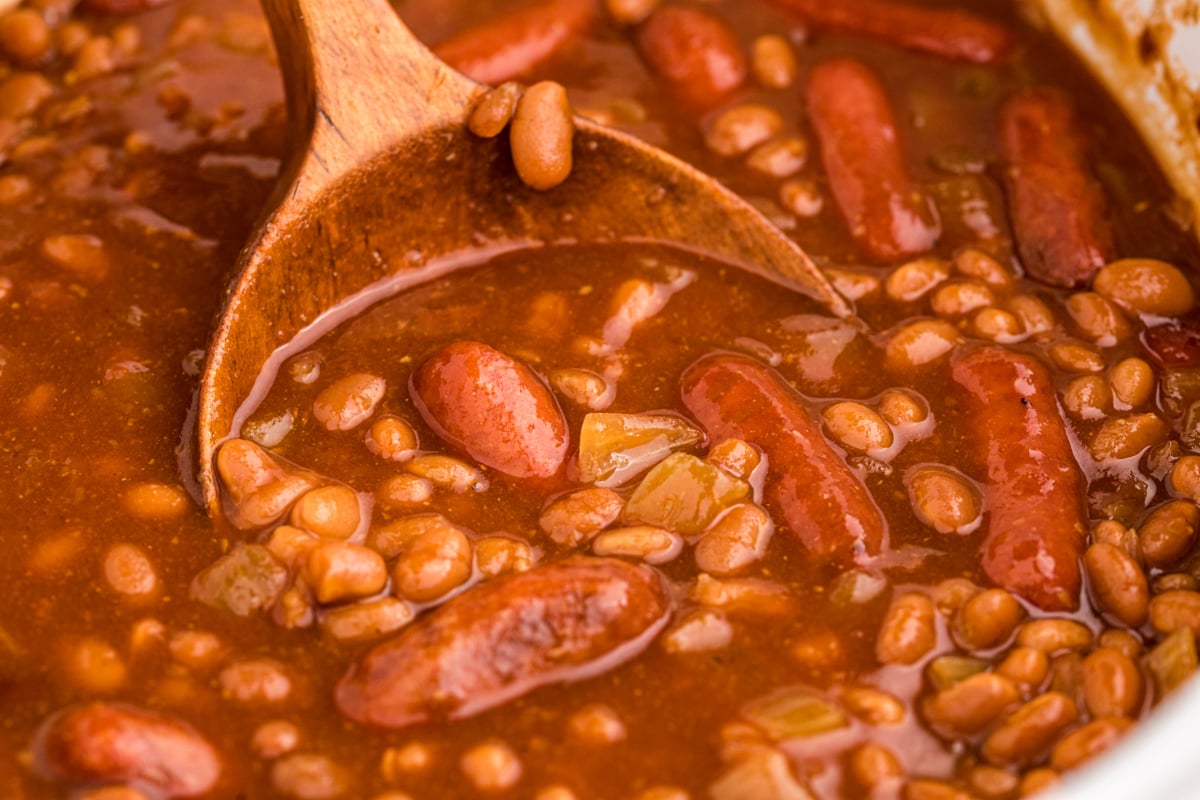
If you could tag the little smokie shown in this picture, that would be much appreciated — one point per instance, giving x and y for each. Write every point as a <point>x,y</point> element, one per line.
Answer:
<point>607,520</point>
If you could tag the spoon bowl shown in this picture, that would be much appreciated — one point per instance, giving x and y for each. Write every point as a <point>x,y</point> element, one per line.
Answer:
<point>384,178</point>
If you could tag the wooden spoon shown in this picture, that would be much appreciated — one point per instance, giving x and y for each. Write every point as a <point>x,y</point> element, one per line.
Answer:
<point>384,177</point>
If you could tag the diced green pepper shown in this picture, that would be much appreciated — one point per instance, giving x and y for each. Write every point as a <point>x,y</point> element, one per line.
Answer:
<point>684,494</point>
<point>1173,661</point>
<point>794,713</point>
<point>613,448</point>
<point>245,580</point>
<point>945,671</point>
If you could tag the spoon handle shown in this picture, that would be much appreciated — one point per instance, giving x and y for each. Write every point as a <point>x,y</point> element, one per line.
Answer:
<point>358,83</point>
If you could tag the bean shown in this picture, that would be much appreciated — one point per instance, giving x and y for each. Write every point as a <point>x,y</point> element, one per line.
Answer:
<point>308,776</point>
<point>24,36</point>
<point>874,765</point>
<point>541,135</point>
<point>741,128</point>
<point>647,542</point>
<point>255,681</point>
<point>986,620</point>
<point>584,388</point>
<point>802,197</point>
<point>972,704</point>
<point>393,538</point>
<point>950,595</point>
<point>499,555</point>
<point>944,500</point>
<point>1054,635</point>
<point>630,12</point>
<point>1174,610</point>
<point>1169,533</point>
<point>491,766</point>
<point>196,650</point>
<point>514,426</point>
<point>900,407</point>
<point>700,631</point>
<point>596,725</point>
<point>743,595</point>
<point>873,706</point>
<point>908,632</point>
<point>919,344</point>
<point>858,427</point>
<point>694,51</point>
<point>737,457</point>
<point>913,280</point>
<point>129,571</point>
<point>444,665</point>
<point>340,571</point>
<point>1026,667</point>
<point>348,402</point>
<point>997,325</point>
<point>949,33</point>
<point>1125,437</point>
<point>1076,357</point>
<point>1098,319</point>
<point>433,564</point>
<point>392,439</point>
<point>1035,315</point>
<point>103,742</point>
<point>992,783</point>
<point>1118,584</point>
<point>1146,286</point>
<point>1037,780</point>
<point>823,504</point>
<point>1133,382</point>
<point>517,41</point>
<point>977,264</point>
<point>1086,742</point>
<point>1023,738</point>
<point>1088,397</point>
<point>291,545</point>
<point>492,113</point>
<point>1112,684</point>
<point>403,492</point>
<point>274,739</point>
<point>961,298</point>
<point>1109,531</point>
<point>773,61</point>
<point>556,792</point>
<point>579,516</point>
<point>329,511</point>
<point>1185,477</point>
<point>22,93</point>
<point>735,541</point>
<point>780,157</point>
<point>445,472</point>
<point>362,622</point>
<point>924,789</point>
<point>862,150</point>
<point>1121,641</point>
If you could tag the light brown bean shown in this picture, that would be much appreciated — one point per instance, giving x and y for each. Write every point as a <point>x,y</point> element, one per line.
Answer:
<point>651,544</point>
<point>911,281</point>
<point>447,472</point>
<point>741,128</point>
<point>1025,736</point>
<point>1098,319</point>
<point>1087,742</point>
<point>1053,636</point>
<point>349,401</point>
<point>1117,583</point>
<point>1146,286</point>
<point>331,512</point>
<point>972,704</point>
<point>432,564</point>
<point>873,765</point>
<point>735,541</point>
<point>339,571</point>
<point>986,620</point>
<point>1132,381</point>
<point>1112,684</point>
<point>1026,667</point>
<point>1174,610</point>
<point>780,157</point>
<point>391,438</point>
<point>1088,397</point>
<point>944,500</point>
<point>1169,533</point>
<point>908,631</point>
<point>919,344</point>
<point>773,61</point>
<point>494,110</point>
<point>579,516</point>
<point>858,427</point>
<point>541,134</point>
<point>1125,437</point>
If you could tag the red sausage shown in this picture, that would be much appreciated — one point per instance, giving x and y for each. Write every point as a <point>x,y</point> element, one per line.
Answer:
<point>502,639</point>
<point>109,743</point>
<point>948,32</point>
<point>863,159</point>
<point>1175,343</point>
<point>510,46</point>
<point>823,503</point>
<point>694,51</point>
<point>1033,489</point>
<point>1059,213</point>
<point>492,408</point>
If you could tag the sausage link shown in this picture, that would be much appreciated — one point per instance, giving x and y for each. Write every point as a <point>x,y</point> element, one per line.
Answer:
<point>110,743</point>
<point>821,501</point>
<point>951,33</point>
<point>493,408</point>
<point>504,638</point>
<point>1033,487</point>
<point>1058,210</point>
<point>509,46</point>
<point>861,151</point>
<point>694,51</point>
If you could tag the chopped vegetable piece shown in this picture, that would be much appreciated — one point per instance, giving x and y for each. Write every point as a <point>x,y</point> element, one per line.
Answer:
<point>1173,661</point>
<point>684,494</point>
<point>613,448</point>
<point>761,774</point>
<point>244,581</point>
<point>795,712</point>
<point>945,671</point>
